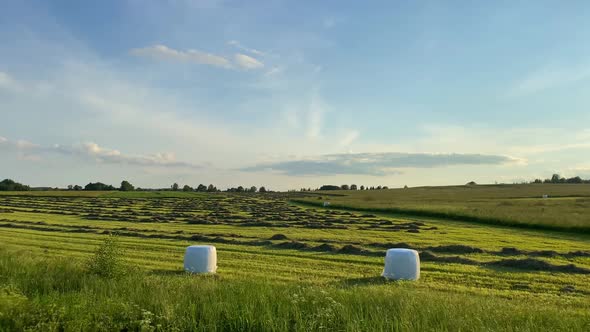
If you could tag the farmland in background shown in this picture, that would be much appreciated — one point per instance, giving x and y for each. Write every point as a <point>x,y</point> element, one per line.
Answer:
<point>284,265</point>
<point>567,206</point>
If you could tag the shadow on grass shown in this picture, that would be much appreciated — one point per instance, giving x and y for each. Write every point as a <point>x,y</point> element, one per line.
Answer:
<point>365,281</point>
<point>166,273</point>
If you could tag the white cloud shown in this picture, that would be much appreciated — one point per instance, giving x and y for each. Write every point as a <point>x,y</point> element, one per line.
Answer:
<point>315,116</point>
<point>247,62</point>
<point>7,82</point>
<point>376,164</point>
<point>162,52</point>
<point>239,46</point>
<point>93,152</point>
<point>276,70</point>
<point>548,78</point>
<point>350,137</point>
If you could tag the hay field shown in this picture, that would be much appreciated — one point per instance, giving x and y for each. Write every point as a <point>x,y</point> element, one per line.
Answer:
<point>282,266</point>
<point>566,208</point>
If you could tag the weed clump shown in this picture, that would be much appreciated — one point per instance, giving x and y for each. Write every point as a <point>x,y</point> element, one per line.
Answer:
<point>107,259</point>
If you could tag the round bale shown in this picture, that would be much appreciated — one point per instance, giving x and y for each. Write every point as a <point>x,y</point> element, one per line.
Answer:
<point>200,259</point>
<point>402,264</point>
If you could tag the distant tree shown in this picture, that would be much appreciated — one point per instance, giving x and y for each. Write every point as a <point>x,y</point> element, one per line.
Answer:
<point>98,186</point>
<point>70,187</point>
<point>344,187</point>
<point>555,178</point>
<point>10,185</point>
<point>378,187</point>
<point>329,187</point>
<point>253,189</point>
<point>175,186</point>
<point>126,186</point>
<point>362,187</point>
<point>385,187</point>
<point>471,183</point>
<point>202,188</point>
<point>405,186</point>
<point>262,190</point>
<point>240,189</point>
<point>353,187</point>
<point>538,181</point>
<point>576,179</point>
<point>77,187</point>
<point>187,188</point>
<point>212,188</point>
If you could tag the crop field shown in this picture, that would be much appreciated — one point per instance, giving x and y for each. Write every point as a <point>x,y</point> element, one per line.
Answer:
<point>566,207</point>
<point>287,265</point>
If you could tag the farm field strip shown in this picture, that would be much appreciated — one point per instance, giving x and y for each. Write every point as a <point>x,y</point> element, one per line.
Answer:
<point>243,228</point>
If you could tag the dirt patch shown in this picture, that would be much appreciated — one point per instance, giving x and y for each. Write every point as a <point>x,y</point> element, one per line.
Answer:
<point>457,249</point>
<point>292,245</point>
<point>511,251</point>
<point>534,264</point>
<point>428,256</point>
<point>351,249</point>
<point>324,247</point>
<point>278,237</point>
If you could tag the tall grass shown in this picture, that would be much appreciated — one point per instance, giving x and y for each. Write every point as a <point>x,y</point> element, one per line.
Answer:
<point>52,294</point>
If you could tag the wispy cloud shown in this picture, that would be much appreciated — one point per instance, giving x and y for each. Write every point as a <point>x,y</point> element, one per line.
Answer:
<point>239,46</point>
<point>349,137</point>
<point>7,82</point>
<point>162,52</point>
<point>247,62</point>
<point>548,78</point>
<point>93,152</point>
<point>376,164</point>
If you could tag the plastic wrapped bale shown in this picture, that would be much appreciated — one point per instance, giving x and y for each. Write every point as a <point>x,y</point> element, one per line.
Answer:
<point>200,259</point>
<point>402,264</point>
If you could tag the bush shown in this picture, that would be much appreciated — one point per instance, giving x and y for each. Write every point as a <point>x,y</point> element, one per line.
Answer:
<point>107,260</point>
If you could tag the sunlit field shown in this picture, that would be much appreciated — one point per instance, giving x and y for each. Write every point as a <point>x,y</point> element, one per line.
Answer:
<point>284,265</point>
<point>566,206</point>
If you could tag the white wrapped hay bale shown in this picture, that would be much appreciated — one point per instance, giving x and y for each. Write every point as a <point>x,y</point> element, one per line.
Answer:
<point>200,259</point>
<point>402,264</point>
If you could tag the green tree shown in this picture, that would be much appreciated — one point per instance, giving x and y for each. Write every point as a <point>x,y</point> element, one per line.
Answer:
<point>262,190</point>
<point>211,188</point>
<point>175,186</point>
<point>187,188</point>
<point>344,187</point>
<point>240,189</point>
<point>253,189</point>
<point>353,187</point>
<point>126,186</point>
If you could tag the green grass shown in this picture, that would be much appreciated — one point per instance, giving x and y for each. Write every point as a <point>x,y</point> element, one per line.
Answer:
<point>260,285</point>
<point>567,207</point>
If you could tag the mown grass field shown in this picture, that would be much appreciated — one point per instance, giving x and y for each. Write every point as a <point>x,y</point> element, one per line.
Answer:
<point>282,266</point>
<point>567,206</point>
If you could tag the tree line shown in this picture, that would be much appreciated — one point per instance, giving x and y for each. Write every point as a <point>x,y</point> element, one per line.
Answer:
<point>348,187</point>
<point>11,185</point>
<point>556,178</point>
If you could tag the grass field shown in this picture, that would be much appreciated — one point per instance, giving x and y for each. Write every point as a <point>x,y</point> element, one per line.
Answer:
<point>282,266</point>
<point>567,206</point>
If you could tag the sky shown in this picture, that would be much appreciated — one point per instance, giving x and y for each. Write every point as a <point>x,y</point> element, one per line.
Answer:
<point>291,94</point>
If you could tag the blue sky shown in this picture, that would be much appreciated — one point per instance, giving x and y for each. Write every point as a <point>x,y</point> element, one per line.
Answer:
<point>293,94</point>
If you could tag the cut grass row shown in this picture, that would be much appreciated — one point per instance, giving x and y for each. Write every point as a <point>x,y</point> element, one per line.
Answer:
<point>510,205</point>
<point>56,294</point>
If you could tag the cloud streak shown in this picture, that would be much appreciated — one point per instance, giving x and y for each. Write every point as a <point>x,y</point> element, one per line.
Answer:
<point>376,164</point>
<point>165,53</point>
<point>94,152</point>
